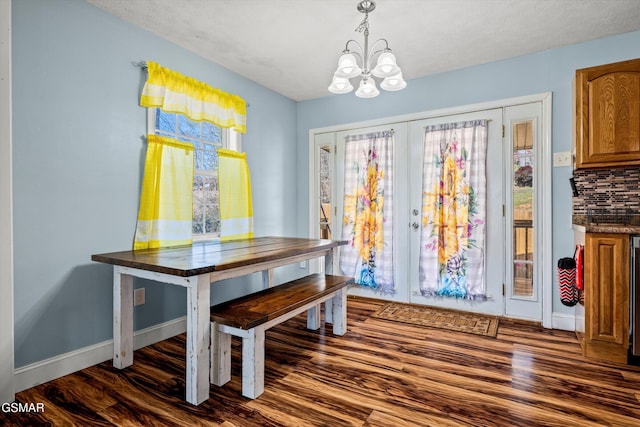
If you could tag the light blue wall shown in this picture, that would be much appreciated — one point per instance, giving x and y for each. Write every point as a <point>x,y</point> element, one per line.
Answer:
<point>552,70</point>
<point>78,157</point>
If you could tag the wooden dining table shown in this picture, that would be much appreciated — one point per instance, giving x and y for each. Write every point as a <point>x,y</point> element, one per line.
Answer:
<point>195,267</point>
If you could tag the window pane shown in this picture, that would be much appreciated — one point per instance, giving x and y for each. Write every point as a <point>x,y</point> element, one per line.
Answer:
<point>165,121</point>
<point>198,183</point>
<point>210,160</point>
<point>523,170</point>
<point>325,192</point>
<point>197,223</point>
<point>170,135</point>
<point>188,127</point>
<point>211,132</point>
<point>198,159</point>
<point>190,140</point>
<point>210,193</point>
<point>198,201</point>
<point>212,224</point>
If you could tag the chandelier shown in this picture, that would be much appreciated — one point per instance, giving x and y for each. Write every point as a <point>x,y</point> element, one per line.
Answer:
<point>358,63</point>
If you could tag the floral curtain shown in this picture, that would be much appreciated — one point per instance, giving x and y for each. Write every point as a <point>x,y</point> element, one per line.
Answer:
<point>368,204</point>
<point>176,93</point>
<point>454,210</point>
<point>166,199</point>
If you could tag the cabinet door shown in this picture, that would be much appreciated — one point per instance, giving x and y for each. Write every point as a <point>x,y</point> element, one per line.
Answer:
<point>607,296</point>
<point>608,115</point>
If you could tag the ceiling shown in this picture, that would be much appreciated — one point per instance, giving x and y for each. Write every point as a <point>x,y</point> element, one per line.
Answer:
<point>292,46</point>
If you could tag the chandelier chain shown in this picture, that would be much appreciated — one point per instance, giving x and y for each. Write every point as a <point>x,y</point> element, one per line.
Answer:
<point>364,25</point>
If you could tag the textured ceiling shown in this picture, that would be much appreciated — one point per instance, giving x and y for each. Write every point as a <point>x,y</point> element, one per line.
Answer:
<point>292,46</point>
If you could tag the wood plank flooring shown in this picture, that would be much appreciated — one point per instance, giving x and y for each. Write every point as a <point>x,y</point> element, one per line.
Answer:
<point>380,373</point>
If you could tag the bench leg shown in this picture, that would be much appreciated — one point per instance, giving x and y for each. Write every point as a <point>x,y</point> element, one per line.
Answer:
<point>339,312</point>
<point>328,311</point>
<point>220,356</point>
<point>313,318</point>
<point>253,363</point>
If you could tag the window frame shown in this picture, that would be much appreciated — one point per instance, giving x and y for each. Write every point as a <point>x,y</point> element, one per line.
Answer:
<point>230,139</point>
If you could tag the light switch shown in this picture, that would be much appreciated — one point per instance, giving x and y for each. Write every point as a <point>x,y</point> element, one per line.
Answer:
<point>562,159</point>
<point>138,296</point>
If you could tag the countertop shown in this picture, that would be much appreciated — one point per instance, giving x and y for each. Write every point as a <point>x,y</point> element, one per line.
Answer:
<point>581,221</point>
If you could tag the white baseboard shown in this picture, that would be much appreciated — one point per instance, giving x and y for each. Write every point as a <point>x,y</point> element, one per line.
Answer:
<point>565,322</point>
<point>64,364</point>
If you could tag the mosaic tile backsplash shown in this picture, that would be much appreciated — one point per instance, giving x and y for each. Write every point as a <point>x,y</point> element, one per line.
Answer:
<point>606,189</point>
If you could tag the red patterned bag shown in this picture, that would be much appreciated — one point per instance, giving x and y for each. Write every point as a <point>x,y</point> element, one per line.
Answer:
<point>569,295</point>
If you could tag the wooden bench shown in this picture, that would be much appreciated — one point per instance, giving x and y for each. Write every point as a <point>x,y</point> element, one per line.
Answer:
<point>250,316</point>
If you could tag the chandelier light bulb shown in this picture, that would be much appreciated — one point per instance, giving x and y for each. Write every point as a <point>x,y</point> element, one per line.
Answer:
<point>348,66</point>
<point>386,66</point>
<point>367,89</point>
<point>340,85</point>
<point>393,83</point>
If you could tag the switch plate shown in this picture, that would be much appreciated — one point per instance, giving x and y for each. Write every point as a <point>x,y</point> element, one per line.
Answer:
<point>562,159</point>
<point>138,296</point>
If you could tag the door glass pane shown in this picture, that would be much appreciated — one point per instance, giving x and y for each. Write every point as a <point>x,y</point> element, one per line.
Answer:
<point>325,192</point>
<point>523,170</point>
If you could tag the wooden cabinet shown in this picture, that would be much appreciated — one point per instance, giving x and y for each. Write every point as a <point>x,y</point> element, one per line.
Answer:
<point>607,115</point>
<point>606,277</point>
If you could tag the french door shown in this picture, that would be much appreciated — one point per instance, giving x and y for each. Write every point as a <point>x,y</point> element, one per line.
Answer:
<point>399,229</point>
<point>517,261</point>
<point>494,223</point>
<point>523,181</point>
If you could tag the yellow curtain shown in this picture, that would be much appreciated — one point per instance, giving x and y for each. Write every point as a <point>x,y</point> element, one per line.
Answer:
<point>166,202</point>
<point>234,184</point>
<point>176,93</point>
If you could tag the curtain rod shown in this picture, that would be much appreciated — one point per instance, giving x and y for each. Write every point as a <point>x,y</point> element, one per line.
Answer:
<point>143,64</point>
<point>474,120</point>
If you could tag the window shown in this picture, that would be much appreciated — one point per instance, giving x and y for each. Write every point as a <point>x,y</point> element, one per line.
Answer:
<point>206,139</point>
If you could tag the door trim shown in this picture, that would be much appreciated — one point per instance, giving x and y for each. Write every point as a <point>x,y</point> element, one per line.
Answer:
<point>546,225</point>
<point>7,390</point>
<point>545,267</point>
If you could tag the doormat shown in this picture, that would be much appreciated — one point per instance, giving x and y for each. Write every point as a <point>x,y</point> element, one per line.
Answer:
<point>451,320</point>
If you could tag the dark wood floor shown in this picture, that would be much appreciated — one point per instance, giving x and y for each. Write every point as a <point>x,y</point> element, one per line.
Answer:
<point>380,374</point>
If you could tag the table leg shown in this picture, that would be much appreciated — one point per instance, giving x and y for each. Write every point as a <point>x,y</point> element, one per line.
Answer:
<point>328,268</point>
<point>267,278</point>
<point>122,319</point>
<point>328,260</point>
<point>198,340</point>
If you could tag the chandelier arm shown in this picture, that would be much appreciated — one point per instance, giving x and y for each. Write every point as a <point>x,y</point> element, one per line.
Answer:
<point>376,52</point>
<point>346,46</point>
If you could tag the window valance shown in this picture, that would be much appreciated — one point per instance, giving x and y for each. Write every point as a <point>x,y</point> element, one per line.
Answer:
<point>176,93</point>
